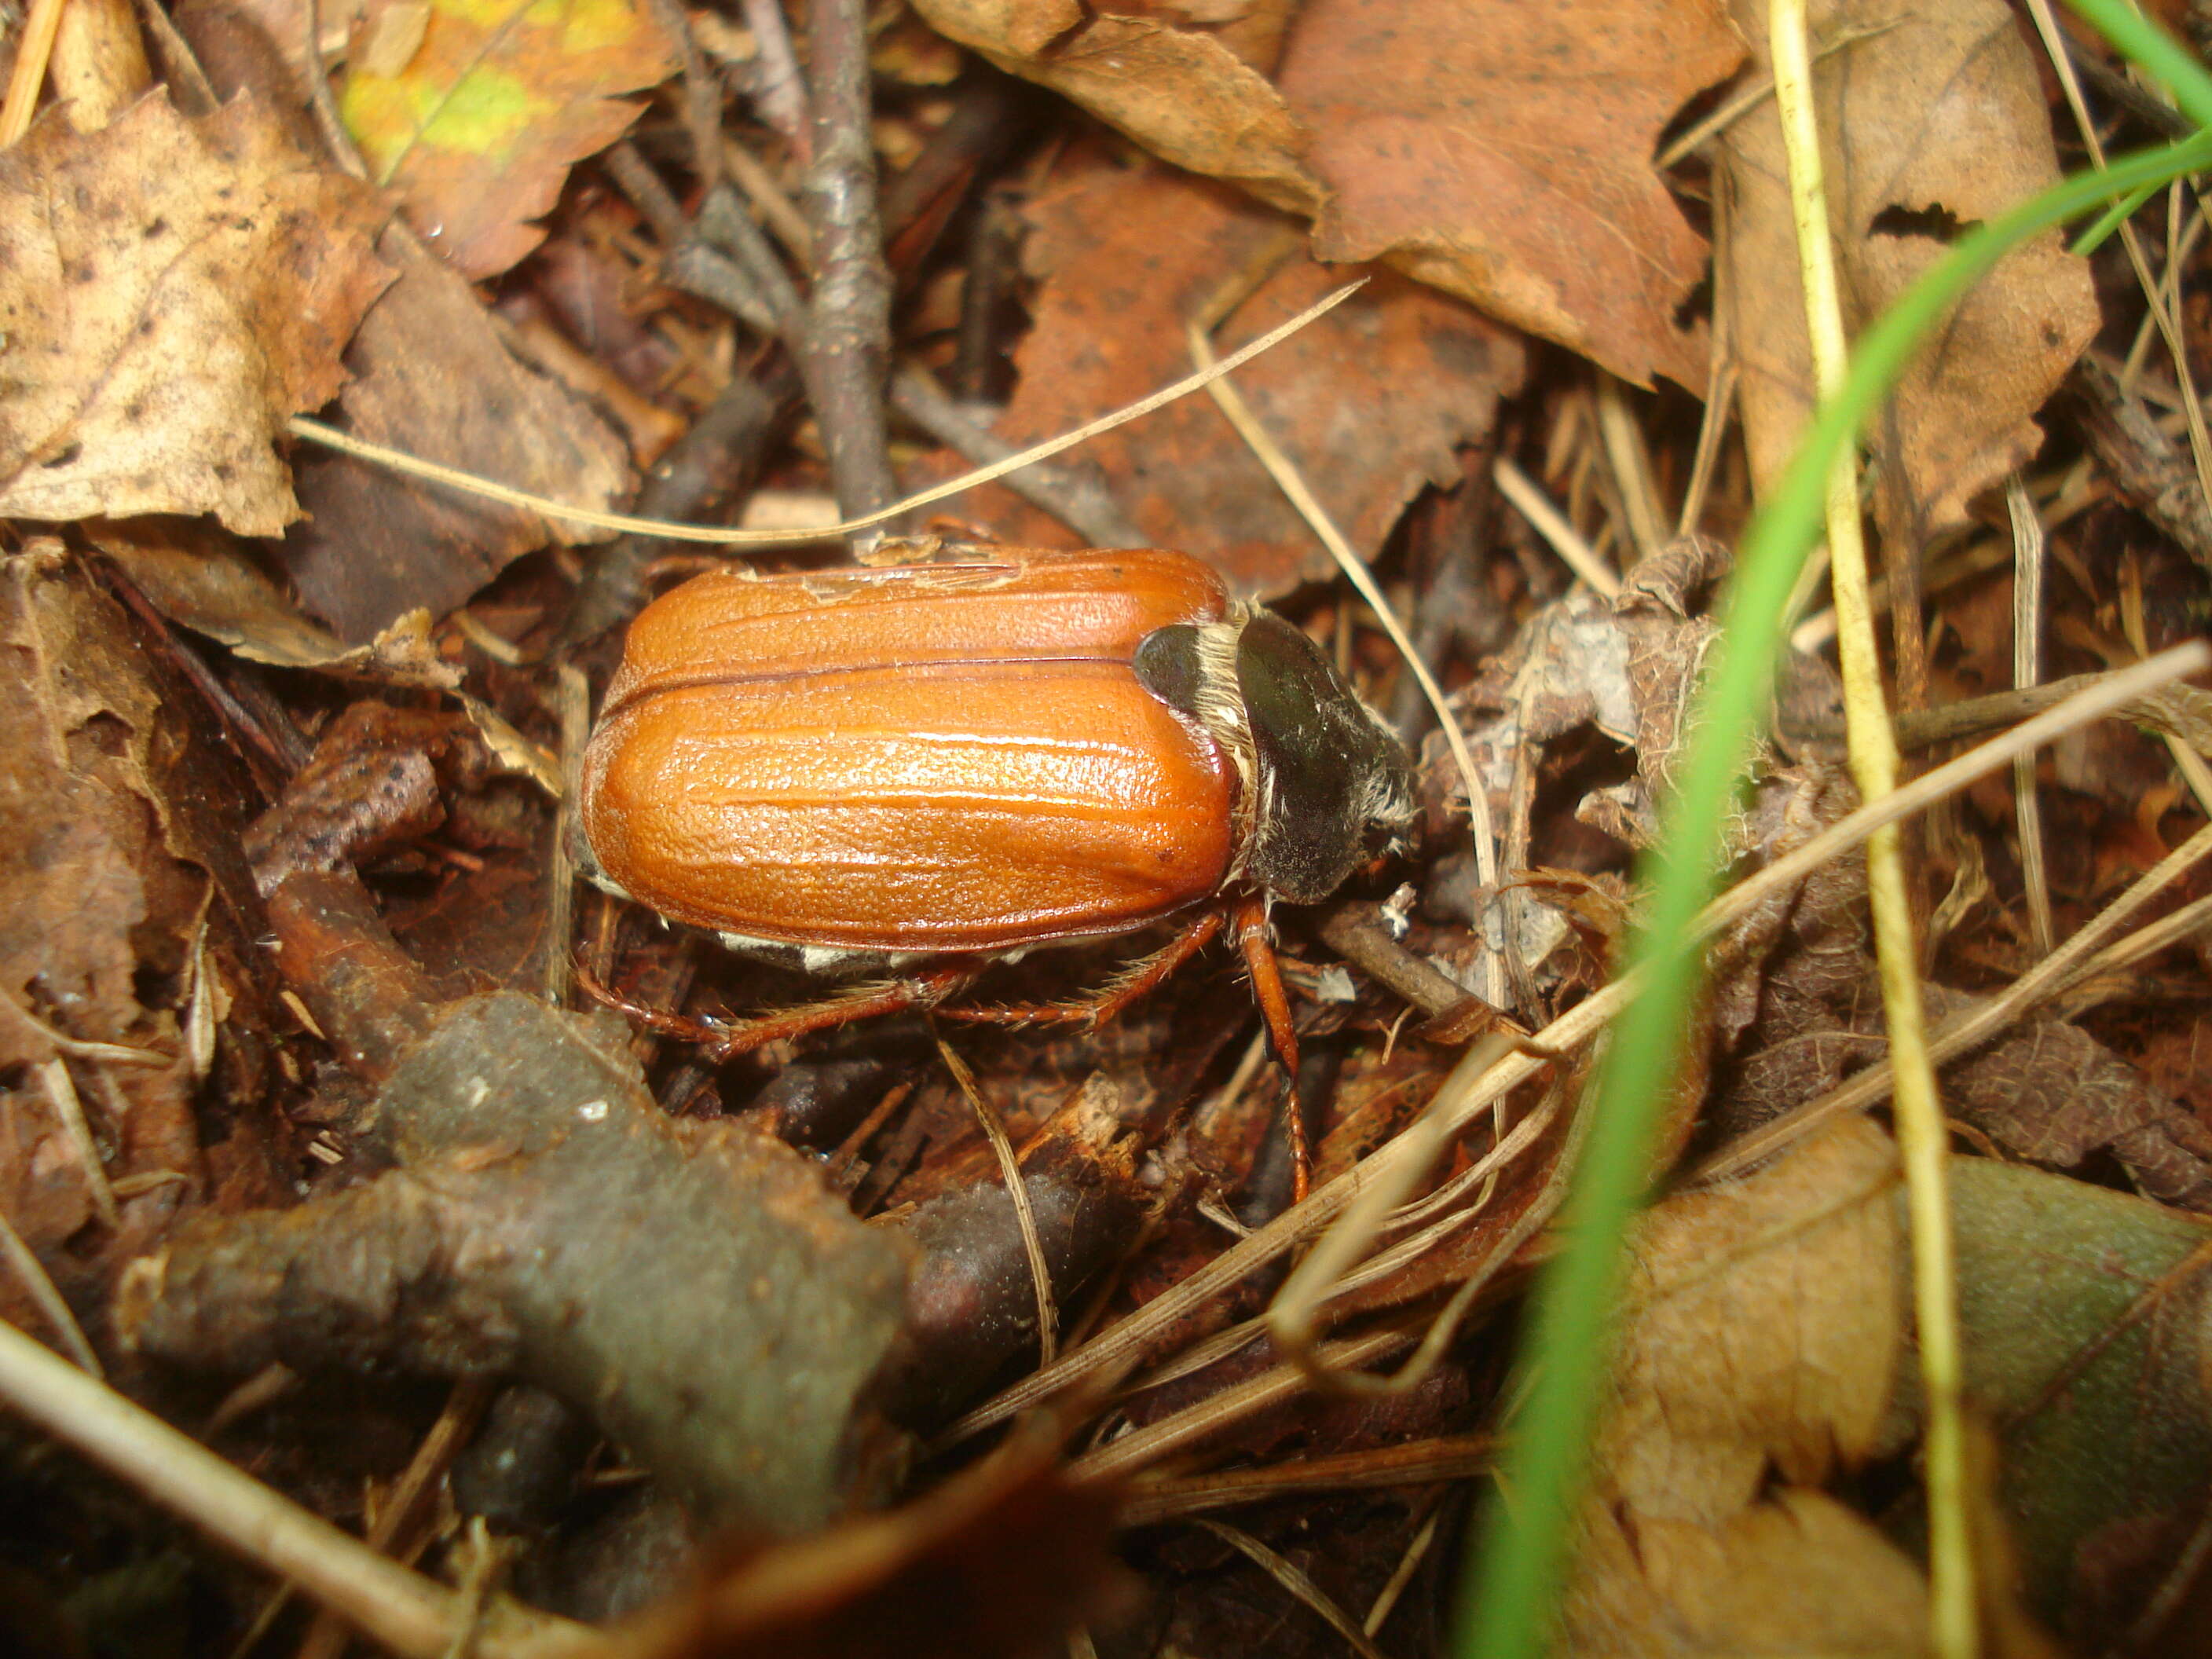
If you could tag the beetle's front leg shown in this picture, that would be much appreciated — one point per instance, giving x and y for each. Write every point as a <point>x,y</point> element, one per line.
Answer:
<point>1249,921</point>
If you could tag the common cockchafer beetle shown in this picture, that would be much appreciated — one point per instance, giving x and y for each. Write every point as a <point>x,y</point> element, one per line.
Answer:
<point>910,771</point>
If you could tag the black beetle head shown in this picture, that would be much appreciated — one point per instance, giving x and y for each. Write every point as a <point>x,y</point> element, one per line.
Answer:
<point>1331,787</point>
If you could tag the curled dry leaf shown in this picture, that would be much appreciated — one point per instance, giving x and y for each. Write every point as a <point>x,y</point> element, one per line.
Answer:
<point>1933,121</point>
<point>156,243</point>
<point>1125,258</point>
<point>1499,151</point>
<point>477,125</point>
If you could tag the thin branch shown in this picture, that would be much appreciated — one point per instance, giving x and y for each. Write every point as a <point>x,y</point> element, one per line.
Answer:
<point>779,87</point>
<point>1078,501</point>
<point>848,336</point>
<point>702,94</point>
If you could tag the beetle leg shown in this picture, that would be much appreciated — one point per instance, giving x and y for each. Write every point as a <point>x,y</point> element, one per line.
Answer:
<point>659,1021</point>
<point>924,990</point>
<point>1138,980</point>
<point>1250,919</point>
<point>726,1039</point>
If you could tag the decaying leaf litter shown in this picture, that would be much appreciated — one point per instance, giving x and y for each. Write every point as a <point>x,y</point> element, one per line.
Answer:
<point>314,1147</point>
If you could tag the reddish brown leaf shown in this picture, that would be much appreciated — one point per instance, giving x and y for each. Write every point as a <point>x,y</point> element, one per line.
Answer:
<point>1500,152</point>
<point>1503,153</point>
<point>1370,401</point>
<point>432,377</point>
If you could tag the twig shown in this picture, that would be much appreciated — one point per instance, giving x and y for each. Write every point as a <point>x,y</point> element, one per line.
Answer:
<point>1564,539</point>
<point>848,336</point>
<point>415,467</point>
<point>404,1611</point>
<point>783,217</point>
<point>1144,1447</point>
<point>702,94</point>
<point>779,87</point>
<point>1293,1578</point>
<point>649,194</point>
<point>1411,1462</point>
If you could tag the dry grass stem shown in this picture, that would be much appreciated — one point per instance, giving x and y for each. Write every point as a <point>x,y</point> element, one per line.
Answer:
<point>2028,560</point>
<point>1458,1457</point>
<point>1560,535</point>
<point>31,1273</point>
<point>1010,1168</point>
<point>1291,1579</point>
<point>1923,1142</point>
<point>61,1089</point>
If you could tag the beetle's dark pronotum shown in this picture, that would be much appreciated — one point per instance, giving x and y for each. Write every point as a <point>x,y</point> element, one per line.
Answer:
<point>909,771</point>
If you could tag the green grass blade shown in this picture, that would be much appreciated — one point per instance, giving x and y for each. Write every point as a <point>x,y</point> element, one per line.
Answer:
<point>1521,1548</point>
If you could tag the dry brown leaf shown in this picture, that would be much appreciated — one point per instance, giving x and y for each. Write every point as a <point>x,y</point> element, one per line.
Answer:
<point>156,245</point>
<point>1370,402</point>
<point>1437,136</point>
<point>1502,152</point>
<point>1764,1332</point>
<point>201,579</point>
<point>1799,1575</point>
<point>432,377</point>
<point>2050,1092</point>
<point>1934,122</point>
<point>1183,95</point>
